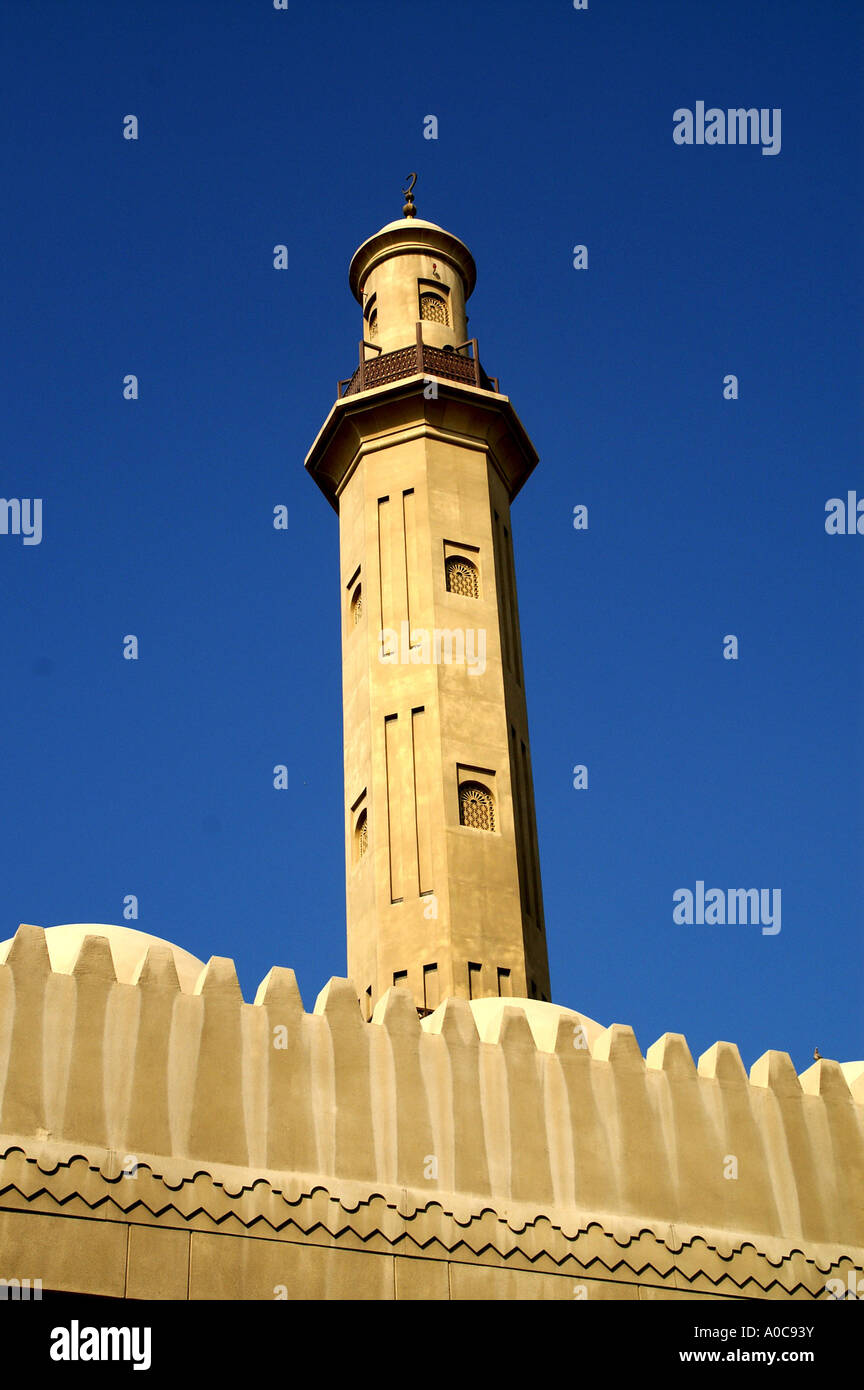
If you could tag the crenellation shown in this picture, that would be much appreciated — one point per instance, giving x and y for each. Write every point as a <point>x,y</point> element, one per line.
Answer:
<point>671,1054</point>
<point>339,1002</point>
<point>26,974</point>
<point>781,1113</point>
<point>775,1071</point>
<point>591,1130</point>
<point>404,1130</point>
<point>722,1062</point>
<point>157,970</point>
<point>465,1136</point>
<point>645,1182</point>
<point>208,1023</point>
<point>279,990</point>
<point>825,1078</point>
<point>530,1173</point>
<point>145,1056</point>
<point>29,951</point>
<point>509,1029</point>
<point>346,1095</point>
<point>617,1044</point>
<point>519,1120</point>
<point>218,980</point>
<point>569,1037</point>
<point>397,1013</point>
<point>291,1145</point>
<point>94,983</point>
<point>95,959</point>
<point>454,1020</point>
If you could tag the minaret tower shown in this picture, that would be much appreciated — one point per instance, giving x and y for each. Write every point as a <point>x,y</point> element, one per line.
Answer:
<point>421,456</point>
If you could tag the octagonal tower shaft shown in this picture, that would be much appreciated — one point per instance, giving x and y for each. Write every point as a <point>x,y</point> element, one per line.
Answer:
<point>421,456</point>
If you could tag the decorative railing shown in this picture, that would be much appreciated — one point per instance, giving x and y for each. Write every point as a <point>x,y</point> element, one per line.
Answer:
<point>461,363</point>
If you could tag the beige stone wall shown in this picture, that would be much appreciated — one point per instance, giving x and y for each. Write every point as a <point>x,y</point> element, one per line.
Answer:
<point>304,1168</point>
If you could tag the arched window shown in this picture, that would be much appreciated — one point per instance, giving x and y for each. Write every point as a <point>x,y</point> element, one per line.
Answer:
<point>356,605</point>
<point>476,807</point>
<point>361,835</point>
<point>461,576</point>
<point>373,324</point>
<point>434,308</point>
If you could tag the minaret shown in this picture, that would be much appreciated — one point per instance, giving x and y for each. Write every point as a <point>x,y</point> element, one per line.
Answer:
<point>421,456</point>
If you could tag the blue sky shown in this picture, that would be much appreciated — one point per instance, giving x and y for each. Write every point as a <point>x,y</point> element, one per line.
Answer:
<point>706,516</point>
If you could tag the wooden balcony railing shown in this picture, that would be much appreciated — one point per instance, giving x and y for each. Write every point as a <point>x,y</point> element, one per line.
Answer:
<point>460,363</point>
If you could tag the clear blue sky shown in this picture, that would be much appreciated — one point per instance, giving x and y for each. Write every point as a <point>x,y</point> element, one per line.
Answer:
<point>706,517</point>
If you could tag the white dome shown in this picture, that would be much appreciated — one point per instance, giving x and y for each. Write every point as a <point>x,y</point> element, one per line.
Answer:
<point>542,1020</point>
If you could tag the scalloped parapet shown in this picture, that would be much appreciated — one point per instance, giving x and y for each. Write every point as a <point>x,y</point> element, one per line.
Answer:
<point>528,1112</point>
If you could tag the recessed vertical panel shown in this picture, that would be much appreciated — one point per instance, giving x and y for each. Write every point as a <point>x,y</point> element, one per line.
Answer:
<point>385,565</point>
<point>401,809</point>
<point>422,760</point>
<point>412,559</point>
<point>398,566</point>
<point>407,807</point>
<point>394,826</point>
<point>531,827</point>
<point>520,824</point>
<point>512,624</point>
<point>502,587</point>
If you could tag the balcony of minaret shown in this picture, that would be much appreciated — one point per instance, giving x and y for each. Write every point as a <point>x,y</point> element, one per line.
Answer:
<point>460,362</point>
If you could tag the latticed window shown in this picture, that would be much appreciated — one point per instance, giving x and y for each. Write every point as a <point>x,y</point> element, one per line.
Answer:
<point>361,834</point>
<point>461,576</point>
<point>373,324</point>
<point>434,308</point>
<point>357,605</point>
<point>476,807</point>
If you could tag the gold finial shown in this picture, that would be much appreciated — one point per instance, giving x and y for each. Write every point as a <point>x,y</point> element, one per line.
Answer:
<point>409,209</point>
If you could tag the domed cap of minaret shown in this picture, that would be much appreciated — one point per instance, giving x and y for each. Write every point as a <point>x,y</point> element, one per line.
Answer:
<point>409,271</point>
<point>405,236</point>
<point>409,233</point>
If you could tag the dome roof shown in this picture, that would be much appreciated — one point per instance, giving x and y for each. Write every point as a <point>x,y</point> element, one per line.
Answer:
<point>128,949</point>
<point>542,1020</point>
<point>405,235</point>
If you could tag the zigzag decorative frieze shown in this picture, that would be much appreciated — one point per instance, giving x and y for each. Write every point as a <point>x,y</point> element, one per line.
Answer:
<point>81,1187</point>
